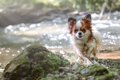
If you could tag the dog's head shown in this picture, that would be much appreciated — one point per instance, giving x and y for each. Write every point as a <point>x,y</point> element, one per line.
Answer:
<point>73,30</point>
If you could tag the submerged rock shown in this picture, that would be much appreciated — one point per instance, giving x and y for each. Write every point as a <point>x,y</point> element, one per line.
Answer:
<point>35,61</point>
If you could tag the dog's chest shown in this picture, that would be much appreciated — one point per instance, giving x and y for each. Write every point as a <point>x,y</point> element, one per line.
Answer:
<point>78,43</point>
<point>87,41</point>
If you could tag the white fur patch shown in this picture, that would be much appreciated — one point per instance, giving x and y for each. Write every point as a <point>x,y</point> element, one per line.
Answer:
<point>97,36</point>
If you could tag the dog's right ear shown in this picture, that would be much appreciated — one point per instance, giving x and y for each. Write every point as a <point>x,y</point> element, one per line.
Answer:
<point>71,24</point>
<point>71,19</point>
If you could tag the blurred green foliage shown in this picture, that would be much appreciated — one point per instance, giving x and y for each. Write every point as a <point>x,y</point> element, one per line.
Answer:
<point>83,5</point>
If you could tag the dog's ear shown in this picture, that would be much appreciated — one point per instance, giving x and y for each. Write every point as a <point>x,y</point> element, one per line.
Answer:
<point>71,21</point>
<point>71,24</point>
<point>72,27</point>
<point>82,28</point>
<point>86,24</point>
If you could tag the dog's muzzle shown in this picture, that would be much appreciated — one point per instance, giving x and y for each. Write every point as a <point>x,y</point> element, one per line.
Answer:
<point>79,34</point>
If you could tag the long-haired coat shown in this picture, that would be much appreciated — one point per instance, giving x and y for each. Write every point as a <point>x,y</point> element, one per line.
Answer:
<point>85,41</point>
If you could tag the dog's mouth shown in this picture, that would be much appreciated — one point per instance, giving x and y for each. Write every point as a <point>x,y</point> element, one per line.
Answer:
<point>80,36</point>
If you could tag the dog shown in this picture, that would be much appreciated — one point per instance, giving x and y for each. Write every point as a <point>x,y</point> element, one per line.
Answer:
<point>77,42</point>
<point>84,40</point>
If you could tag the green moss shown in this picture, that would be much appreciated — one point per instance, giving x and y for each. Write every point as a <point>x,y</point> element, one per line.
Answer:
<point>52,78</point>
<point>109,76</point>
<point>37,71</point>
<point>113,65</point>
<point>57,60</point>
<point>94,70</point>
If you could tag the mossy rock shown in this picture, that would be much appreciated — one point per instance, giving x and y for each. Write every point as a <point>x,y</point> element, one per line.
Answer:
<point>113,65</point>
<point>38,63</point>
<point>109,76</point>
<point>109,63</point>
<point>95,70</point>
<point>35,61</point>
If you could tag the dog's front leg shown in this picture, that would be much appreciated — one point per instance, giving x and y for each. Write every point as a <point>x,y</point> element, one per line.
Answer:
<point>81,58</point>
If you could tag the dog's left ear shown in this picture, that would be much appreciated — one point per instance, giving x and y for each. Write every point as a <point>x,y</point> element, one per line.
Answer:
<point>87,16</point>
<point>82,28</point>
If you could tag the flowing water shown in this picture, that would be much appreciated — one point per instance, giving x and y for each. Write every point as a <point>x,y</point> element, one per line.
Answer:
<point>53,35</point>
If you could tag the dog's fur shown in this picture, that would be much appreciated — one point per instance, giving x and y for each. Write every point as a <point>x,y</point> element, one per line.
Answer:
<point>90,43</point>
<point>86,43</point>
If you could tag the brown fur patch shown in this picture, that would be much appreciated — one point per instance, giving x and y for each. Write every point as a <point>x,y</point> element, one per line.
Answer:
<point>86,25</point>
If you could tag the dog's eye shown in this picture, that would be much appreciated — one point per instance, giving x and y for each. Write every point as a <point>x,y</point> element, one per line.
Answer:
<point>83,30</point>
<point>85,20</point>
<point>76,30</point>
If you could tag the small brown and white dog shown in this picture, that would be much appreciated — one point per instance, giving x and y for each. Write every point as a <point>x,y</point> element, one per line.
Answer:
<point>84,40</point>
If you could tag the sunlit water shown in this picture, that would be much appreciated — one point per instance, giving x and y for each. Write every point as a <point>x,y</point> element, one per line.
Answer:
<point>53,34</point>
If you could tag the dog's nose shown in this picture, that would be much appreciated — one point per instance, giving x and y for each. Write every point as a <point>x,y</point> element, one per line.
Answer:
<point>79,33</point>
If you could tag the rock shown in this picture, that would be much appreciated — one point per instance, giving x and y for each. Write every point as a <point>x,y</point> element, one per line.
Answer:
<point>97,72</point>
<point>37,63</point>
<point>109,76</point>
<point>34,62</point>
<point>94,70</point>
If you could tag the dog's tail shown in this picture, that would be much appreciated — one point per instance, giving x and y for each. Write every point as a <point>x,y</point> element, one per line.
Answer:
<point>98,37</point>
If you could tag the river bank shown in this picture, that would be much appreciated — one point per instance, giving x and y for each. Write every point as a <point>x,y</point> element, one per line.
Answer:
<point>35,14</point>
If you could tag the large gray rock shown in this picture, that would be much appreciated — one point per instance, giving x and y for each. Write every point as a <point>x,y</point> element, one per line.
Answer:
<point>35,61</point>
